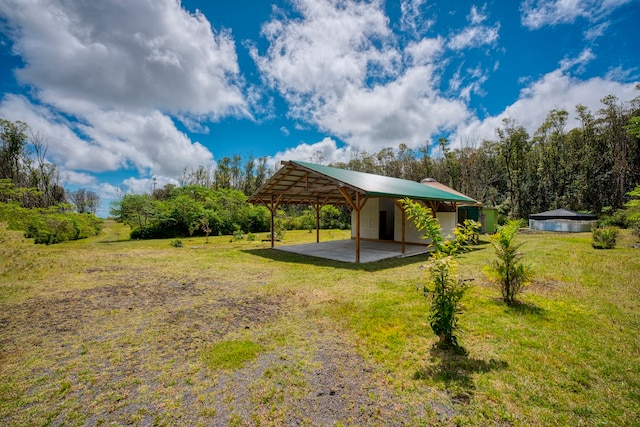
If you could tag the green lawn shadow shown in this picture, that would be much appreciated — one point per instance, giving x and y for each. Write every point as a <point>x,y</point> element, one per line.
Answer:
<point>282,256</point>
<point>520,307</point>
<point>455,369</point>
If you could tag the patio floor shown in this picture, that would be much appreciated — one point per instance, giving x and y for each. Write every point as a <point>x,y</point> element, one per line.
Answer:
<point>345,250</point>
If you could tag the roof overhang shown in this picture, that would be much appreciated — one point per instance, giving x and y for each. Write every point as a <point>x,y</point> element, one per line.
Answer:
<point>307,183</point>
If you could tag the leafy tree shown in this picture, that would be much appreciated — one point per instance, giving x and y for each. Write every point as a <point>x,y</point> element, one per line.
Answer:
<point>514,147</point>
<point>134,210</point>
<point>633,127</point>
<point>223,174</point>
<point>13,141</point>
<point>612,120</point>
<point>446,290</point>
<point>50,225</point>
<point>84,200</point>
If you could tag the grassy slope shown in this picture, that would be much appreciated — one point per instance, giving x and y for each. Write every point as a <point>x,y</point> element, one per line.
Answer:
<point>109,330</point>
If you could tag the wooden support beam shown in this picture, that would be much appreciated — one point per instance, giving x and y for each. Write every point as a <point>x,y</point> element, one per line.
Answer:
<point>273,223</point>
<point>358,228</point>
<point>433,205</point>
<point>347,197</point>
<point>317,205</point>
<point>273,207</point>
<point>355,206</point>
<point>404,223</point>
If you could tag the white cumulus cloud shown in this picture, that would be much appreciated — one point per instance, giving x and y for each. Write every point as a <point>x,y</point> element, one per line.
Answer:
<point>124,54</point>
<point>340,68</point>
<point>109,78</point>
<point>555,90</point>
<point>322,152</point>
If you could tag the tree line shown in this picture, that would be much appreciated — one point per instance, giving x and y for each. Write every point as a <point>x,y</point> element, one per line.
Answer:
<point>24,166</point>
<point>592,167</point>
<point>32,196</point>
<point>589,168</point>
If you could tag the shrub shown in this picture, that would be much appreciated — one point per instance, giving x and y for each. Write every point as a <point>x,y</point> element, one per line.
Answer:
<point>177,243</point>
<point>510,274</point>
<point>238,234</point>
<point>632,210</point>
<point>467,233</point>
<point>613,218</point>
<point>604,237</point>
<point>442,284</point>
<point>445,290</point>
<point>50,225</point>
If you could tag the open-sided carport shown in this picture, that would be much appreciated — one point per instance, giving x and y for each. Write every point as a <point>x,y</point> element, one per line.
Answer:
<point>305,183</point>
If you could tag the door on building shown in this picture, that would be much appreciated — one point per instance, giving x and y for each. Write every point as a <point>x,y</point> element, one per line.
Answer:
<point>386,220</point>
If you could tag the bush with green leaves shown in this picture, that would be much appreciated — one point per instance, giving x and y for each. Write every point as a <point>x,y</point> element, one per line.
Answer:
<point>445,291</point>
<point>50,225</point>
<point>613,218</point>
<point>177,243</point>
<point>508,271</point>
<point>189,211</point>
<point>442,285</point>
<point>604,237</point>
<point>467,233</point>
<point>632,209</point>
<point>238,234</point>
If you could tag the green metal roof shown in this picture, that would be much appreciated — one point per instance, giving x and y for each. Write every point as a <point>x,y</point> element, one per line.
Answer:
<point>384,186</point>
<point>301,182</point>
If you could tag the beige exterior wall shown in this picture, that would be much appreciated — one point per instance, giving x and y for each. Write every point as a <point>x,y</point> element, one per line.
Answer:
<point>369,227</point>
<point>369,216</point>
<point>448,222</point>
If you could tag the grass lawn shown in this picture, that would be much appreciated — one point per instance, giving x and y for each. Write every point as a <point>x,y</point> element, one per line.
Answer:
<point>109,331</point>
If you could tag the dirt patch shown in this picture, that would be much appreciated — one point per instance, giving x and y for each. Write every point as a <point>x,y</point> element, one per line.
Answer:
<point>118,353</point>
<point>330,384</point>
<point>129,353</point>
<point>546,285</point>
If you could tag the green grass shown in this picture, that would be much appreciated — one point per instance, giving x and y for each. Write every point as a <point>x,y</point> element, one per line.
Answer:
<point>113,331</point>
<point>230,354</point>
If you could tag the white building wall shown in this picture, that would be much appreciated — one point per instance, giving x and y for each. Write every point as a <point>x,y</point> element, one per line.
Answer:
<point>447,220</point>
<point>369,217</point>
<point>448,223</point>
<point>369,228</point>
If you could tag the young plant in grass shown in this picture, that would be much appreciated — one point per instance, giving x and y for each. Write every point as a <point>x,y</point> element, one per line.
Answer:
<point>442,285</point>
<point>445,290</point>
<point>604,237</point>
<point>508,271</point>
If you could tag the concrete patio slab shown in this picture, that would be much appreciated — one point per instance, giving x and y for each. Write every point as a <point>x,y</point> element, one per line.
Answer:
<point>345,250</point>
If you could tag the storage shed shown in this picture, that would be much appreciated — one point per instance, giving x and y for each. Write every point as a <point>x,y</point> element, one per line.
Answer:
<point>563,221</point>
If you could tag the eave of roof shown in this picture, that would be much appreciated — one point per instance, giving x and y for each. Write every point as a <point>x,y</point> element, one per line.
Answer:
<point>302,182</point>
<point>563,214</point>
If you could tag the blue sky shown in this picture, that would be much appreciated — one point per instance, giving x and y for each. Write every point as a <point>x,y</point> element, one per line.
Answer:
<point>127,91</point>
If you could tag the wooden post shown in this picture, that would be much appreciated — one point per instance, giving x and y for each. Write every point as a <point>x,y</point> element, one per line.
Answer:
<point>404,227</point>
<point>357,207</point>
<point>357,228</point>
<point>398,203</point>
<point>317,206</point>
<point>272,208</point>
